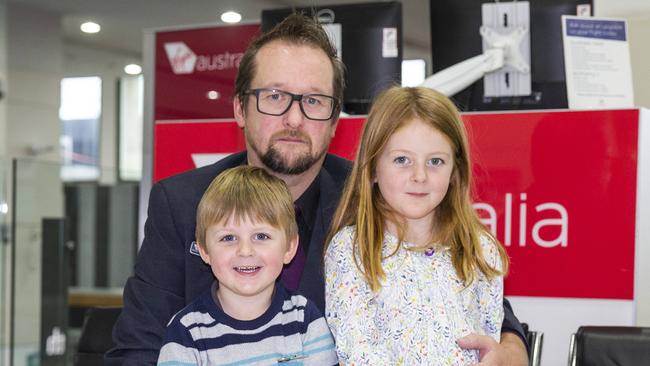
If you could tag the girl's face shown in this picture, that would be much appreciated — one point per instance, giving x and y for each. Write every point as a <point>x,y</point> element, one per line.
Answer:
<point>413,171</point>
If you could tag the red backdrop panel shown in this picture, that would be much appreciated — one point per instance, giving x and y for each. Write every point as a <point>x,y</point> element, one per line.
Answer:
<point>195,71</point>
<point>175,142</point>
<point>559,189</point>
<point>532,167</point>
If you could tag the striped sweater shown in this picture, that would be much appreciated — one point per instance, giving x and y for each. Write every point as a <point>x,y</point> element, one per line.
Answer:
<point>291,332</point>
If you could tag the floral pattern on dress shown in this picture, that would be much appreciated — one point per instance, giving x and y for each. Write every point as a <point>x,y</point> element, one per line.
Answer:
<point>420,311</point>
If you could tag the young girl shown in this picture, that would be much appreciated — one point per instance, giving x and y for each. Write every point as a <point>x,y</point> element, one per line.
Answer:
<point>409,268</point>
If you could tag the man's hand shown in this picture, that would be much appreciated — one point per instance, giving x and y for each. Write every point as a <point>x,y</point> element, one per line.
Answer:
<point>510,352</point>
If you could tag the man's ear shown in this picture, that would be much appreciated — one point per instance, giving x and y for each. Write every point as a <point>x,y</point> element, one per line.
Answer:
<point>335,124</point>
<point>291,249</point>
<point>238,110</point>
<point>204,254</point>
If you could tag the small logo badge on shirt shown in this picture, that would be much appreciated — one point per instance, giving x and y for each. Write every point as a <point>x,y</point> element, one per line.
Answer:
<point>194,248</point>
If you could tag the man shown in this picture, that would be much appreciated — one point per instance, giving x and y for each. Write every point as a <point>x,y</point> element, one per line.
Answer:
<point>287,99</point>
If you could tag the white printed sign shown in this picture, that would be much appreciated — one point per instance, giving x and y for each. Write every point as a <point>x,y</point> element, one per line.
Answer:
<point>597,63</point>
<point>389,46</point>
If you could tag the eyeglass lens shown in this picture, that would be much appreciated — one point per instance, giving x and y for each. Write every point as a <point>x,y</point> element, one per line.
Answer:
<point>277,102</point>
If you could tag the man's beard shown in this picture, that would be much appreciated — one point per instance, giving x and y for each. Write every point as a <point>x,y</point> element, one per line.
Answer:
<point>276,162</point>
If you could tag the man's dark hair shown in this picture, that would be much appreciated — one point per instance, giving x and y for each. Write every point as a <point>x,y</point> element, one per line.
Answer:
<point>298,29</point>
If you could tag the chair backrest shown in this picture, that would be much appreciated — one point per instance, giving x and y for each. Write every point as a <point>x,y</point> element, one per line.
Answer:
<point>96,335</point>
<point>610,346</point>
<point>535,340</point>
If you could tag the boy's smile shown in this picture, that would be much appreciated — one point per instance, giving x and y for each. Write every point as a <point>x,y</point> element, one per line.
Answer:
<point>246,258</point>
<point>247,269</point>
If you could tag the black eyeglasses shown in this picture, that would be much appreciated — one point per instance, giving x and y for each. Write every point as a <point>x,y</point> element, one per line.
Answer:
<point>274,102</point>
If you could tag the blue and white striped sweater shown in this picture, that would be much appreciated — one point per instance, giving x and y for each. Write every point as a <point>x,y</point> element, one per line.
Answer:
<point>291,332</point>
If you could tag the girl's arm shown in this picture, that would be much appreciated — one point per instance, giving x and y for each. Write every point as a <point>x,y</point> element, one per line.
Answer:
<point>346,306</point>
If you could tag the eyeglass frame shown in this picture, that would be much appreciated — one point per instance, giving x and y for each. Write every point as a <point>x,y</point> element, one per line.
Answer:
<point>294,97</point>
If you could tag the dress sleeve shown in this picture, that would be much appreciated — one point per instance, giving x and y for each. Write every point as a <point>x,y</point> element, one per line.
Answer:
<point>348,308</point>
<point>154,293</point>
<point>490,292</point>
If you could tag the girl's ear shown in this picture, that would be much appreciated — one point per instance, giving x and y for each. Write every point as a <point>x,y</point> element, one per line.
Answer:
<point>292,247</point>
<point>204,253</point>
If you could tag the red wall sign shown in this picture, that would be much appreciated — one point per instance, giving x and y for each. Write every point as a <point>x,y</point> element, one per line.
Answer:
<point>176,143</point>
<point>195,71</point>
<point>559,189</point>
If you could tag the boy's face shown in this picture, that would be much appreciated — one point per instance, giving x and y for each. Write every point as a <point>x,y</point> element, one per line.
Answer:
<point>246,258</point>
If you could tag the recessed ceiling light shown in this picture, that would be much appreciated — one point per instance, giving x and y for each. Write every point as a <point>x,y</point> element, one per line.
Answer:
<point>90,27</point>
<point>231,17</point>
<point>133,69</point>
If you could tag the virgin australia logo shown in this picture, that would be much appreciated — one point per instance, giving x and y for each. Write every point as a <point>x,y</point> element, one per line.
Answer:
<point>180,57</point>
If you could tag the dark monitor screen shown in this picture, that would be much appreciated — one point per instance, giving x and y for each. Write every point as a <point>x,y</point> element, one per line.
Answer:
<point>372,59</point>
<point>455,37</point>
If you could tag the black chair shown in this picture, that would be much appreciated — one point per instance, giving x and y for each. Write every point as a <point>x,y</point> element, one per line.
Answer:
<point>610,346</point>
<point>535,340</point>
<point>96,335</point>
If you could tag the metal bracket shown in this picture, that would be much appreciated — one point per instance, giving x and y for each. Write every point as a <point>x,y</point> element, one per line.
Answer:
<point>506,25</point>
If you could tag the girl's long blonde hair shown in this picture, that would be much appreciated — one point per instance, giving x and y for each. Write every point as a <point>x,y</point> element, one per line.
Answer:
<point>457,225</point>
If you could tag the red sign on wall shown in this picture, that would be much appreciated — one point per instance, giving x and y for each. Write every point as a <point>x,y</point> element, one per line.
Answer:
<point>196,69</point>
<point>558,188</point>
<point>177,145</point>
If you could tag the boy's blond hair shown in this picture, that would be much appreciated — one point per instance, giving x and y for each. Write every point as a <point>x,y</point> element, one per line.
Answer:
<point>246,192</point>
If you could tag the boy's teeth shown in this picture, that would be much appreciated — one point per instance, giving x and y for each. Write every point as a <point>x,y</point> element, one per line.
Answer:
<point>247,269</point>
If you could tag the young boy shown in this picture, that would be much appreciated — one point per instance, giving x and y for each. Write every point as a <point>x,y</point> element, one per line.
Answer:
<point>246,231</point>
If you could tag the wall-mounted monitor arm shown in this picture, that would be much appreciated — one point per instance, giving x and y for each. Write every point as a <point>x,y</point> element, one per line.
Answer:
<point>463,74</point>
<point>505,61</point>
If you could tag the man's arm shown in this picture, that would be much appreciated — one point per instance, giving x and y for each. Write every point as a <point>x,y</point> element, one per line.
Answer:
<point>512,351</point>
<point>154,293</point>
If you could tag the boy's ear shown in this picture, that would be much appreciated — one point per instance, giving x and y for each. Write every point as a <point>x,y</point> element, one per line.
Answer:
<point>204,254</point>
<point>291,249</point>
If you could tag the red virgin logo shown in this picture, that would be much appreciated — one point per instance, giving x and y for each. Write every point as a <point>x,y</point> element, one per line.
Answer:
<point>181,57</point>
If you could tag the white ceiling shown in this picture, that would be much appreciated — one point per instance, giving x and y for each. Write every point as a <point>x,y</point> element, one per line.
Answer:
<point>123,21</point>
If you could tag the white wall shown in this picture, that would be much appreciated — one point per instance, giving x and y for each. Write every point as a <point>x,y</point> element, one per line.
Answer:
<point>4,250</point>
<point>642,260</point>
<point>35,62</point>
<point>639,30</point>
<point>82,60</point>
<point>34,52</point>
<point>637,13</point>
<point>3,74</point>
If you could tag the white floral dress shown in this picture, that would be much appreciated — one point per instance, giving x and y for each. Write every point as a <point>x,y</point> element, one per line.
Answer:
<point>420,311</point>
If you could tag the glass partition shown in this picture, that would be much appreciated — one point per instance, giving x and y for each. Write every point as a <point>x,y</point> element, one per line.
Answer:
<point>73,246</point>
<point>37,194</point>
<point>4,263</point>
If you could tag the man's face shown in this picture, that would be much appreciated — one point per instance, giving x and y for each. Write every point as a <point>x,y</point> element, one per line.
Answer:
<point>290,143</point>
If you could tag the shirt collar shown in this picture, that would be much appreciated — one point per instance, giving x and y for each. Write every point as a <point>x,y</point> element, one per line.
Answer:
<point>308,202</point>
